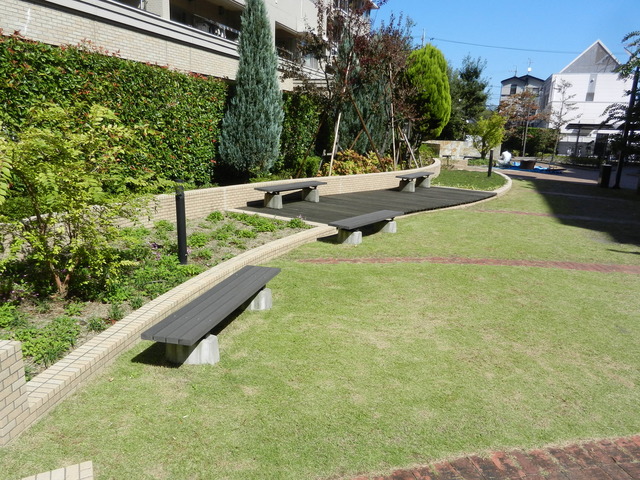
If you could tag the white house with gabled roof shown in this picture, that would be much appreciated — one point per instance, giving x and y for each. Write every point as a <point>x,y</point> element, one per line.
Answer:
<point>594,86</point>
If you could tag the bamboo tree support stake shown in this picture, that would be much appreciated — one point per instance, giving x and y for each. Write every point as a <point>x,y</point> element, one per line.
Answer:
<point>404,137</point>
<point>393,123</point>
<point>336,133</point>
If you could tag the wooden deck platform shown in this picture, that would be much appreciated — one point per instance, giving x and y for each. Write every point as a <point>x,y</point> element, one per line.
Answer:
<point>335,207</point>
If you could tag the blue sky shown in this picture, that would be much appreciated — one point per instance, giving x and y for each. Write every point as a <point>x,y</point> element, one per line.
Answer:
<point>527,32</point>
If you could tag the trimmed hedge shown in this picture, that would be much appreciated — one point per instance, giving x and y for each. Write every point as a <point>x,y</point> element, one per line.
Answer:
<point>183,112</point>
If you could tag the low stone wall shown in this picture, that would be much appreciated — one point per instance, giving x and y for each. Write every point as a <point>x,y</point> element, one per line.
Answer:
<point>24,403</point>
<point>199,203</point>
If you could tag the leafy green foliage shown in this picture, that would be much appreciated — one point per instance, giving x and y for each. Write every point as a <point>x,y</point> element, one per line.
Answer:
<point>251,127</point>
<point>197,239</point>
<point>96,324</point>
<point>487,133</point>
<point>349,162</point>
<point>59,175</point>
<point>49,343</point>
<point>215,216</point>
<point>9,316</point>
<point>301,119</point>
<point>469,96</point>
<point>427,72</point>
<point>180,113</point>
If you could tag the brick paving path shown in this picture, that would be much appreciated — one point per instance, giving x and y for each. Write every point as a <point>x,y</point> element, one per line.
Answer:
<point>591,267</point>
<point>617,459</point>
<point>566,217</point>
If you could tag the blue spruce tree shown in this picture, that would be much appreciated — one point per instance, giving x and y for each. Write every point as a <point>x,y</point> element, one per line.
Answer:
<point>251,128</point>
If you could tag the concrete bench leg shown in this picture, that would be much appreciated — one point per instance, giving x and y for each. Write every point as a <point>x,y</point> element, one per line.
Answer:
<point>310,195</point>
<point>424,182</point>
<point>407,186</point>
<point>390,227</point>
<point>350,237</point>
<point>262,301</point>
<point>205,352</point>
<point>273,200</point>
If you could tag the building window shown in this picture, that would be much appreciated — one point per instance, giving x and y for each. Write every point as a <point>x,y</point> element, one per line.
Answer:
<point>514,89</point>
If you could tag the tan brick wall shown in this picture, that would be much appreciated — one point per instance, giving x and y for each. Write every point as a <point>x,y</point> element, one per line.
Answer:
<point>81,471</point>
<point>199,203</point>
<point>14,408</point>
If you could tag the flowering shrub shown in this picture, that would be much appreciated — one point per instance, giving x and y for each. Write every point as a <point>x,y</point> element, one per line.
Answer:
<point>348,162</point>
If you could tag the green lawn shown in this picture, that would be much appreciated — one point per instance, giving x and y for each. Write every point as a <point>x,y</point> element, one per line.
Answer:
<point>369,367</point>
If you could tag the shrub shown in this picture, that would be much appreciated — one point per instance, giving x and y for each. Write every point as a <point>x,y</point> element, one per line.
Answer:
<point>96,324</point>
<point>348,162</point>
<point>260,224</point>
<point>297,223</point>
<point>301,119</point>
<point>9,316</point>
<point>58,174</point>
<point>197,239</point>
<point>215,216</point>
<point>47,344</point>
<point>182,113</point>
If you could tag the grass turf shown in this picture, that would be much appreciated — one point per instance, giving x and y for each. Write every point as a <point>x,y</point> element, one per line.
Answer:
<point>371,367</point>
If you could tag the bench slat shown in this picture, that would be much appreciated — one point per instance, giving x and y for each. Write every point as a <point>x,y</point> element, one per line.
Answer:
<point>210,313</point>
<point>190,323</point>
<point>353,223</point>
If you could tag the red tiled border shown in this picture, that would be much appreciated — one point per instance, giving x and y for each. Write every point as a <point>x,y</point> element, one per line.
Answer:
<point>617,459</point>
<point>591,267</point>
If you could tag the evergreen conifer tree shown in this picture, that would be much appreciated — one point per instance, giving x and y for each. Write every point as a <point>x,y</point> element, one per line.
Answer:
<point>251,127</point>
<point>427,72</point>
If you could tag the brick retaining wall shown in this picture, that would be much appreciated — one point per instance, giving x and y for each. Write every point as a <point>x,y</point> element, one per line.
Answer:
<point>199,203</point>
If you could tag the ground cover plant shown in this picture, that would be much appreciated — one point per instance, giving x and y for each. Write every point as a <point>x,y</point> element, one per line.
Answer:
<point>49,326</point>
<point>379,357</point>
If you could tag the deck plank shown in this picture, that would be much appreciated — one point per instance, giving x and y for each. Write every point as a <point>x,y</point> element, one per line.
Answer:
<point>332,208</point>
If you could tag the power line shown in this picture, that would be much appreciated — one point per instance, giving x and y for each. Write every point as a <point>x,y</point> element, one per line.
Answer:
<point>504,48</point>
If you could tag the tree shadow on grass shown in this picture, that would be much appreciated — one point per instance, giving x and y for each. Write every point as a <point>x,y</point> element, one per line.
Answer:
<point>613,212</point>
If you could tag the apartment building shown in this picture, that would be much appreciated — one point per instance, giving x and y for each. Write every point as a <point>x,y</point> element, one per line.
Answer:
<point>189,35</point>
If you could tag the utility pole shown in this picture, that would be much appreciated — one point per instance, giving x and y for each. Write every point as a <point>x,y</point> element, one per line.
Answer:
<point>627,127</point>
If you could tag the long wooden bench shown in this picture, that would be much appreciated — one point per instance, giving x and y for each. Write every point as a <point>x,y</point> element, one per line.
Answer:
<point>409,181</point>
<point>273,193</point>
<point>349,229</point>
<point>186,332</point>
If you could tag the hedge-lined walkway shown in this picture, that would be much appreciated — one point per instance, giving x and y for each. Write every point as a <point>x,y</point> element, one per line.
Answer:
<point>617,459</point>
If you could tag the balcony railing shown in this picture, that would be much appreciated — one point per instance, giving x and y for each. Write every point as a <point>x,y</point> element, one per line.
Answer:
<point>215,28</point>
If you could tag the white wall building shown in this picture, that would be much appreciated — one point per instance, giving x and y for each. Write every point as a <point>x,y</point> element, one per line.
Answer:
<point>594,86</point>
<point>189,35</point>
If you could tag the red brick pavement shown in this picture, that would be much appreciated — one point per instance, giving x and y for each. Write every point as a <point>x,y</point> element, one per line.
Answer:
<point>591,267</point>
<point>617,459</point>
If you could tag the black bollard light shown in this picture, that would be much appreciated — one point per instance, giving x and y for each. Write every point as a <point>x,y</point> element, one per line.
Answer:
<point>181,220</point>
<point>490,163</point>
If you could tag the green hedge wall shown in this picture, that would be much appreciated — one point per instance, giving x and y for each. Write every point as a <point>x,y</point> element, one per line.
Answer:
<point>184,111</point>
